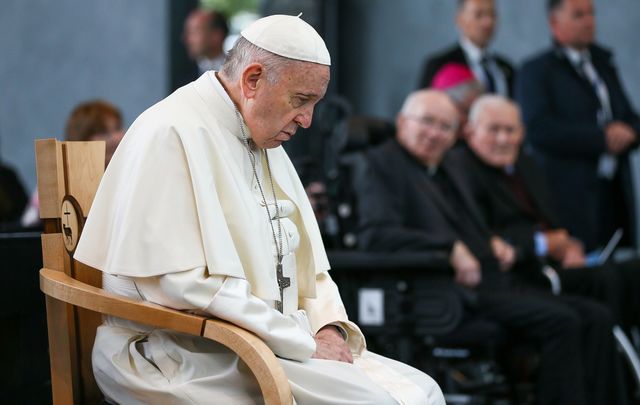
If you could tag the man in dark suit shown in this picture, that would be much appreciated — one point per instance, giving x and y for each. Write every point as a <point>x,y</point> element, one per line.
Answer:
<point>514,200</point>
<point>413,199</point>
<point>581,127</point>
<point>476,20</point>
<point>204,34</point>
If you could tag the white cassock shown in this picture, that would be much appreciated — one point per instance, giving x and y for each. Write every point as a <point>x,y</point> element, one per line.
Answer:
<point>178,220</point>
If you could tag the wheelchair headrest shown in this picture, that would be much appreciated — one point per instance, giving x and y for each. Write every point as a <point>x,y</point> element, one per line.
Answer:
<point>364,132</point>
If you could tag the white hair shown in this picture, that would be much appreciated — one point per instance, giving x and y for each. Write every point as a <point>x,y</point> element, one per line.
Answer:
<point>244,53</point>
<point>487,101</point>
<point>414,98</point>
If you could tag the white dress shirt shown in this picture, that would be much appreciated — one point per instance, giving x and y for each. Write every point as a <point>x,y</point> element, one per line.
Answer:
<point>474,56</point>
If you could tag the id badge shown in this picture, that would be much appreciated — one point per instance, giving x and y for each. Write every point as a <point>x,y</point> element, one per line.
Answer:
<point>607,166</point>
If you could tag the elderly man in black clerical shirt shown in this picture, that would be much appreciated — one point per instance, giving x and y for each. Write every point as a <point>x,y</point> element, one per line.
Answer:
<point>414,199</point>
<point>514,199</point>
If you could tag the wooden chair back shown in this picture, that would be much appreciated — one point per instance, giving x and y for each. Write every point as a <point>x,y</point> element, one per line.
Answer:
<point>68,177</point>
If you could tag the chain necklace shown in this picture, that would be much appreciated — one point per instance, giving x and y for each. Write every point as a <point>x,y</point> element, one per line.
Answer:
<point>283,282</point>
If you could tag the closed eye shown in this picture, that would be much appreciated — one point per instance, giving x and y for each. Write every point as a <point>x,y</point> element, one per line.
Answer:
<point>299,101</point>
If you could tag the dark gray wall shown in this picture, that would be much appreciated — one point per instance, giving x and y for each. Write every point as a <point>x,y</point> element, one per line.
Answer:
<point>55,54</point>
<point>384,43</point>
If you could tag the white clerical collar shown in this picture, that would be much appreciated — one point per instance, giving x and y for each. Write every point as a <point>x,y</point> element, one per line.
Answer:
<point>473,52</point>
<point>220,89</point>
<point>225,96</point>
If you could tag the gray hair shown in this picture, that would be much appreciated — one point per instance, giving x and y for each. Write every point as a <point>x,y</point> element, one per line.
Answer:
<point>486,101</point>
<point>460,92</point>
<point>244,53</point>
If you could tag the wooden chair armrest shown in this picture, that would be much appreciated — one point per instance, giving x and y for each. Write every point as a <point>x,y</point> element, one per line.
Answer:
<point>257,355</point>
<point>64,288</point>
<point>251,349</point>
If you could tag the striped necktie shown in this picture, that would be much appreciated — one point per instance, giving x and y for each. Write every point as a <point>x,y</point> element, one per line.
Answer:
<point>608,163</point>
<point>588,71</point>
<point>491,81</point>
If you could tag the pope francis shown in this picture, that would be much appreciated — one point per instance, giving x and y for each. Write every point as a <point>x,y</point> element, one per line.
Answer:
<point>201,210</point>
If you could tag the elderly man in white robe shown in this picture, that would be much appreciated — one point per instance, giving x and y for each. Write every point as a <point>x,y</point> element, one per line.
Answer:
<point>201,210</point>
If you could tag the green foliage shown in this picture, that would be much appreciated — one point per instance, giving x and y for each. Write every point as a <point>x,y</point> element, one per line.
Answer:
<point>231,7</point>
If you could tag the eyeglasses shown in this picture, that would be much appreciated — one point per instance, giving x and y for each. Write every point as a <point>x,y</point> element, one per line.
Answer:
<point>508,130</point>
<point>431,122</point>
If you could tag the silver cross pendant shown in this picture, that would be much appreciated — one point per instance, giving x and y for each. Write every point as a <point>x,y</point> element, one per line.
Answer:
<point>283,282</point>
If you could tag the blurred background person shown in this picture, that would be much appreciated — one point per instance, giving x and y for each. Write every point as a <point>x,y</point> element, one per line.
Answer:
<point>414,198</point>
<point>203,36</point>
<point>13,198</point>
<point>476,21</point>
<point>95,120</point>
<point>581,127</point>
<point>514,198</point>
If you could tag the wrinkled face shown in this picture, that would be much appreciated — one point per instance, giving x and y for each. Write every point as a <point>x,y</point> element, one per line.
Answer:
<point>477,21</point>
<point>112,137</point>
<point>427,129</point>
<point>274,111</point>
<point>496,135</point>
<point>573,23</point>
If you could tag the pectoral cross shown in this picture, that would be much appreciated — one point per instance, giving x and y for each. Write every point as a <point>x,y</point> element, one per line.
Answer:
<point>283,282</point>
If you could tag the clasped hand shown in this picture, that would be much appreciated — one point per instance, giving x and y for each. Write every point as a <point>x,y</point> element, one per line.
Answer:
<point>330,345</point>
<point>465,265</point>
<point>619,136</point>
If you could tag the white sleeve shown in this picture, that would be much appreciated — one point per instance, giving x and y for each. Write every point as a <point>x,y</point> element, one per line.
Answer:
<point>230,298</point>
<point>327,309</point>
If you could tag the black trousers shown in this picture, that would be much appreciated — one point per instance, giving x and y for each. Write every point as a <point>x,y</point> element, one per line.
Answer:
<point>615,284</point>
<point>578,360</point>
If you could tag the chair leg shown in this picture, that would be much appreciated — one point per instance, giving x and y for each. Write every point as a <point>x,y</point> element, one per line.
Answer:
<point>61,352</point>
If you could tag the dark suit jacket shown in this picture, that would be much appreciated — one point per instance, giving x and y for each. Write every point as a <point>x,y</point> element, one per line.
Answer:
<point>456,54</point>
<point>560,112</point>
<point>503,212</point>
<point>401,208</point>
<point>13,198</point>
<point>184,74</point>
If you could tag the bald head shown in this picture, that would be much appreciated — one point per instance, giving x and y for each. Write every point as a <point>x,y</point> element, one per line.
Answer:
<point>495,131</point>
<point>427,125</point>
<point>420,100</point>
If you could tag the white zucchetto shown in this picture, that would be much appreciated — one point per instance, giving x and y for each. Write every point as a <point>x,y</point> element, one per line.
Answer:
<point>288,36</point>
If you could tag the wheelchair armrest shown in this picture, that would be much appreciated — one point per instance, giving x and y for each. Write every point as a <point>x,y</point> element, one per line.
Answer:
<point>432,263</point>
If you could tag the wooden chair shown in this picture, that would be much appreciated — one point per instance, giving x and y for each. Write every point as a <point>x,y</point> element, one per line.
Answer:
<point>68,177</point>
